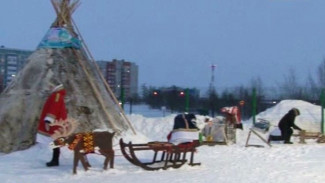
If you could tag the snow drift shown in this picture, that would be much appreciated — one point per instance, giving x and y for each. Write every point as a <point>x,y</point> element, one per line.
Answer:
<point>309,118</point>
<point>298,163</point>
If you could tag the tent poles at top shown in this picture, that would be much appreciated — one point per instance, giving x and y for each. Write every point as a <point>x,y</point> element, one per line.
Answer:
<point>64,9</point>
<point>103,79</point>
<point>254,105</point>
<point>322,101</point>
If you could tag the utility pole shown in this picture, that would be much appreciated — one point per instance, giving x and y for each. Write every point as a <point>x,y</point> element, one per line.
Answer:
<point>211,86</point>
<point>212,91</point>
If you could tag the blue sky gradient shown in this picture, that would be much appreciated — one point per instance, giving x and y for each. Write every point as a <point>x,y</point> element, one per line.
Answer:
<point>174,42</point>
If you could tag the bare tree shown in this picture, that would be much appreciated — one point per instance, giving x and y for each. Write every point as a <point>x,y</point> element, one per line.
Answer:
<point>321,74</point>
<point>290,87</point>
<point>312,90</point>
<point>258,85</point>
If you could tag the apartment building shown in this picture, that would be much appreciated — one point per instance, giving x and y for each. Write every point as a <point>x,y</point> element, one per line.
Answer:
<point>121,75</point>
<point>11,62</point>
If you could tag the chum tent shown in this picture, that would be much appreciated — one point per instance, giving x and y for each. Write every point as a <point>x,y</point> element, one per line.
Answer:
<point>62,57</point>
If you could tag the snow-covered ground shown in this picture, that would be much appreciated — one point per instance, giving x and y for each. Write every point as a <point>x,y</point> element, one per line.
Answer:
<point>227,164</point>
<point>146,111</point>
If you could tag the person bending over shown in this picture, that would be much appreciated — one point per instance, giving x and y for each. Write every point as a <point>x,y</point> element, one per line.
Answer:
<point>287,123</point>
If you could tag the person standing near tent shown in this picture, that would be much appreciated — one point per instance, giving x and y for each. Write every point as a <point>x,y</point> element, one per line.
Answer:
<point>53,109</point>
<point>286,123</point>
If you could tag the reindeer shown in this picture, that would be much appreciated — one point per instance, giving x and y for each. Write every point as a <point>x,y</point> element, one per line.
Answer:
<point>83,143</point>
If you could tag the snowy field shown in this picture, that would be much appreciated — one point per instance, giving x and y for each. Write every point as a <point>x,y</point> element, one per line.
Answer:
<point>281,163</point>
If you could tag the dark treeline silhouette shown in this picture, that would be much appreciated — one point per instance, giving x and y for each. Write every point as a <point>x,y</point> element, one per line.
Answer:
<point>175,98</point>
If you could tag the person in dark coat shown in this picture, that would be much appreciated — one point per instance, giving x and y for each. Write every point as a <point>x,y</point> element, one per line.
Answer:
<point>287,123</point>
<point>184,129</point>
<point>182,120</point>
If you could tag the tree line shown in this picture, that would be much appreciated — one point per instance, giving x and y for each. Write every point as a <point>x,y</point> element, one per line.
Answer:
<point>178,99</point>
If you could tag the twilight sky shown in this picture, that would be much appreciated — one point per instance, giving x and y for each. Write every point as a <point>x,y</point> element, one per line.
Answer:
<point>174,42</point>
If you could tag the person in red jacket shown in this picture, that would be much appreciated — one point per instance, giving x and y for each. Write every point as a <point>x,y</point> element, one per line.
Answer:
<point>53,109</point>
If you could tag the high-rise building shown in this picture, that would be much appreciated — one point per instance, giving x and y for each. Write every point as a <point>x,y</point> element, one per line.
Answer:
<point>11,61</point>
<point>121,75</point>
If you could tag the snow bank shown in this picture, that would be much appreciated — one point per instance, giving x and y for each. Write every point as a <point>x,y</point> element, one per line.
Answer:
<point>298,163</point>
<point>309,118</point>
<point>156,128</point>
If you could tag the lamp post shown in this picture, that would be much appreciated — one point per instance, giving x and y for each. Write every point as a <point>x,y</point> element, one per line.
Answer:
<point>1,76</point>
<point>322,99</point>
<point>187,100</point>
<point>241,104</point>
<point>125,72</point>
<point>212,91</point>
<point>122,94</point>
<point>254,105</point>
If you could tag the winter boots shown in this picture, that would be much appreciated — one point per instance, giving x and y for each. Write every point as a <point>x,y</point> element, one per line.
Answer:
<point>55,158</point>
<point>288,142</point>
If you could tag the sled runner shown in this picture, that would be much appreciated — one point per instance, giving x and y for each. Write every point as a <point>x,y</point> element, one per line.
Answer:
<point>183,139</point>
<point>303,135</point>
<point>261,126</point>
<point>252,130</point>
<point>165,155</point>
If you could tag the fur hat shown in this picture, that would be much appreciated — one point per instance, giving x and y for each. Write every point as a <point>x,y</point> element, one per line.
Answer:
<point>58,87</point>
<point>206,120</point>
<point>53,82</point>
<point>55,85</point>
<point>296,111</point>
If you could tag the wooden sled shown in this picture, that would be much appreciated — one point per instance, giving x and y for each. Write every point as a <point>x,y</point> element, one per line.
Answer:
<point>303,135</point>
<point>165,155</point>
<point>251,130</point>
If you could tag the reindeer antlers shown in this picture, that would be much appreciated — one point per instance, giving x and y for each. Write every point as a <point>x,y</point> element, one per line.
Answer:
<point>66,127</point>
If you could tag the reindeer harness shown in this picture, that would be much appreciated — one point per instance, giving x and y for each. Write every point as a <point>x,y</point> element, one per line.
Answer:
<point>88,142</point>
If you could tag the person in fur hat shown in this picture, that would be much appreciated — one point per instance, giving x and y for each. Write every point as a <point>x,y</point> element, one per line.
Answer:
<point>287,123</point>
<point>53,109</point>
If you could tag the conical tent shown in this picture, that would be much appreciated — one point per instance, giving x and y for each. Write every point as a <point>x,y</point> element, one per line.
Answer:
<point>64,58</point>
